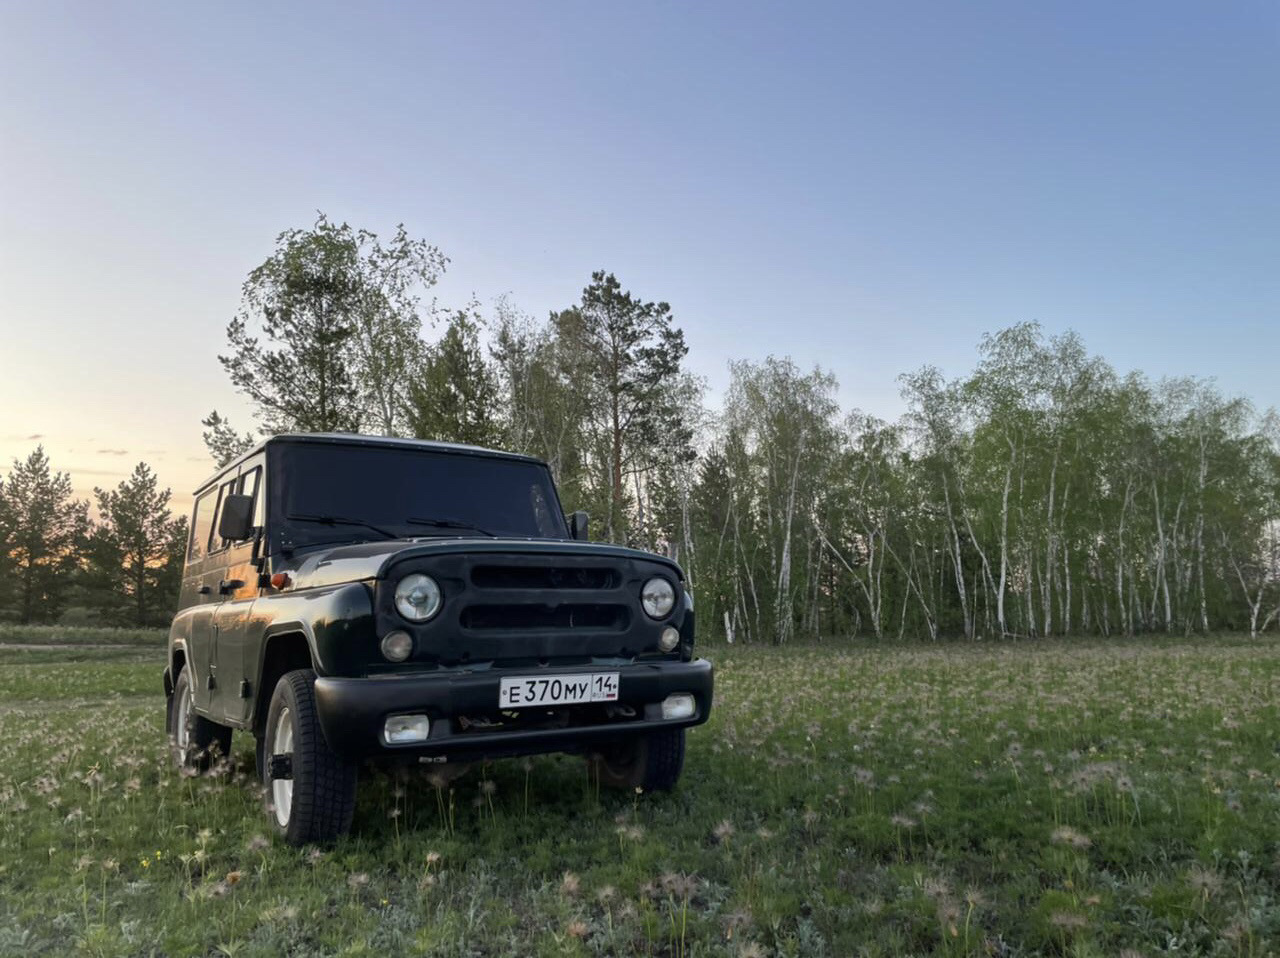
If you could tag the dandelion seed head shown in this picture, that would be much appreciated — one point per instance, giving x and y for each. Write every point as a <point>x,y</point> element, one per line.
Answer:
<point>569,884</point>
<point>1068,920</point>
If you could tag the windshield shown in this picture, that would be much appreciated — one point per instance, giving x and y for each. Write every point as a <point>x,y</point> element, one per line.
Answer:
<point>350,493</point>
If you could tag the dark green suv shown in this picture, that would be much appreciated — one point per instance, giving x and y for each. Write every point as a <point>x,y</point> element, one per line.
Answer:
<point>351,597</point>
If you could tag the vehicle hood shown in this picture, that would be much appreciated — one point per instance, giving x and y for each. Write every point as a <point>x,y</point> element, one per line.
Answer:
<point>361,561</point>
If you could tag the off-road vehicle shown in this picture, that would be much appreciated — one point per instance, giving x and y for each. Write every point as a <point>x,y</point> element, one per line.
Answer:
<point>349,598</point>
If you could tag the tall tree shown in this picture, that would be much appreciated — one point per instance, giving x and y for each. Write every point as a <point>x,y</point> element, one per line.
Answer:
<point>132,551</point>
<point>7,531</point>
<point>543,400</point>
<point>388,340</point>
<point>454,395</point>
<point>48,528</point>
<point>780,426</point>
<point>338,312</point>
<point>628,352</point>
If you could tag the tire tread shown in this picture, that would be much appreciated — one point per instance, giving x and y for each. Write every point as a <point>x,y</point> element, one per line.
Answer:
<point>324,785</point>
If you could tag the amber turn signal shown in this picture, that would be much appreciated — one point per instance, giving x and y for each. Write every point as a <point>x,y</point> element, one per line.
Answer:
<point>280,580</point>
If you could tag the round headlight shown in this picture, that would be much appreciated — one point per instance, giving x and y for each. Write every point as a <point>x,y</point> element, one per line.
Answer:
<point>658,598</point>
<point>418,597</point>
<point>397,646</point>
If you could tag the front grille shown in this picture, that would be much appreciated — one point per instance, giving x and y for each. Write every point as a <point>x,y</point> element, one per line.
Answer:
<point>596,616</point>
<point>544,577</point>
<point>539,603</point>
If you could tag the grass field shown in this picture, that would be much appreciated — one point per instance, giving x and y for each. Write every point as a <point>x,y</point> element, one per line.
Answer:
<point>14,634</point>
<point>1043,798</point>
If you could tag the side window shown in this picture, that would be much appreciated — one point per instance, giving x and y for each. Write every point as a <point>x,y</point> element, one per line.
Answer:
<point>216,544</point>
<point>248,486</point>
<point>202,525</point>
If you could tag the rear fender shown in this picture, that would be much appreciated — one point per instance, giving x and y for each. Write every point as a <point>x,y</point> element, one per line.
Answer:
<point>178,654</point>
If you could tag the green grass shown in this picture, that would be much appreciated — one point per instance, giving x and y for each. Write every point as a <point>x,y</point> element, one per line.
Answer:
<point>1042,798</point>
<point>13,634</point>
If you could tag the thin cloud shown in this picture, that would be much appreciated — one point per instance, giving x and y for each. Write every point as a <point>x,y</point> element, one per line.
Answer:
<point>113,452</point>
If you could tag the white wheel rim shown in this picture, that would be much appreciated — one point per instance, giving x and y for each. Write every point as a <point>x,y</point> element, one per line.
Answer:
<point>181,733</point>
<point>282,788</point>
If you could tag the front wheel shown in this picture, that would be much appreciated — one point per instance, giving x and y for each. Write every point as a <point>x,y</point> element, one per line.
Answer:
<point>312,791</point>
<point>195,741</point>
<point>652,762</point>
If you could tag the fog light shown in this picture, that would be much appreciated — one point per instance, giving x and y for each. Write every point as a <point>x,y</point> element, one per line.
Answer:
<point>397,646</point>
<point>400,729</point>
<point>678,706</point>
<point>669,640</point>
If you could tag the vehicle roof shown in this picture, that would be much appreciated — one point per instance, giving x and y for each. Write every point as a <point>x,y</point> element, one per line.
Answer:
<point>356,439</point>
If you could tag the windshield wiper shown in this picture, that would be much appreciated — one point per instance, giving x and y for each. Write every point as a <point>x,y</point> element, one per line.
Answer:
<point>450,524</point>
<point>342,521</point>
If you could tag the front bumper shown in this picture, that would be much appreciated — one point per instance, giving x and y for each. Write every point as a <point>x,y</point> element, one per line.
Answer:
<point>463,707</point>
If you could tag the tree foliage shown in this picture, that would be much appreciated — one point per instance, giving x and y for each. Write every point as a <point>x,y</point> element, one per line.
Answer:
<point>627,353</point>
<point>328,328</point>
<point>225,445</point>
<point>453,394</point>
<point>46,530</point>
<point>600,392</point>
<point>135,552</point>
<point>1042,494</point>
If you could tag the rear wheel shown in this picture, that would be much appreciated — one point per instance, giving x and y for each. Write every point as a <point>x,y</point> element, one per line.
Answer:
<point>195,741</point>
<point>311,790</point>
<point>652,762</point>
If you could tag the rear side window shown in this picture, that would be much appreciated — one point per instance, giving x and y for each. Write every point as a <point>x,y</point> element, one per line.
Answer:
<point>202,525</point>
<point>249,485</point>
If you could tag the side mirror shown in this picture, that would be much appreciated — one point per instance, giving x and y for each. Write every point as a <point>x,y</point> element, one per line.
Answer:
<point>236,522</point>
<point>578,525</point>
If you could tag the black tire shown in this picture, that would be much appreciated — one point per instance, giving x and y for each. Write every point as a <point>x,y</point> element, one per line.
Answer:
<point>322,799</point>
<point>204,741</point>
<point>652,762</point>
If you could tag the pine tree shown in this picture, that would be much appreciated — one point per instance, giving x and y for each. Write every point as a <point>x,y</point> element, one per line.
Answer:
<point>454,396</point>
<point>132,551</point>
<point>46,530</point>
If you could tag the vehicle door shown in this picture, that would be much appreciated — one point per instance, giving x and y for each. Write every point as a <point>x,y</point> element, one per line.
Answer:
<point>238,589</point>
<point>200,595</point>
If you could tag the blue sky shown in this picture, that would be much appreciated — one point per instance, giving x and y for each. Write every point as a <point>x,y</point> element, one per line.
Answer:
<point>868,187</point>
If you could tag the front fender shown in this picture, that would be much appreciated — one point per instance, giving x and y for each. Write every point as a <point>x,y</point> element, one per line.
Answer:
<point>337,622</point>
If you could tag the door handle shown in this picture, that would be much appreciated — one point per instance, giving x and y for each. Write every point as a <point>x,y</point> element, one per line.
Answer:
<point>229,585</point>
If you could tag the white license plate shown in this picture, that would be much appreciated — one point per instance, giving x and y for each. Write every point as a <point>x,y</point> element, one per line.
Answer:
<point>529,690</point>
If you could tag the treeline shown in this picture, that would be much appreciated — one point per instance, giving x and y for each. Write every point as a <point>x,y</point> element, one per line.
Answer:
<point>1041,494</point>
<point>57,564</point>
